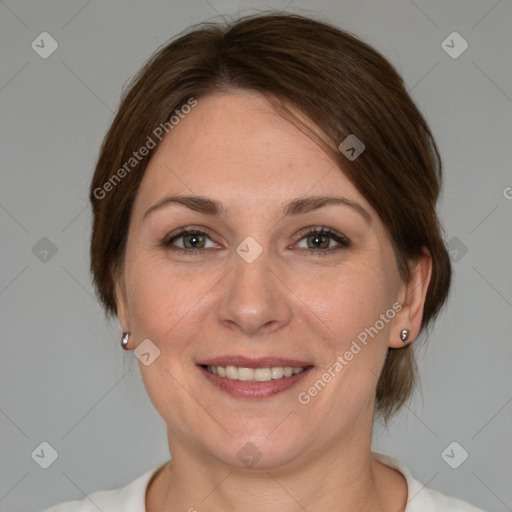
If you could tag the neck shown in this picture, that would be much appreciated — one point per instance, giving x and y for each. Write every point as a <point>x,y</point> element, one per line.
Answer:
<point>344,478</point>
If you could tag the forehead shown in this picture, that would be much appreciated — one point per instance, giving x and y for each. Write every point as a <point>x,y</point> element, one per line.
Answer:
<point>236,145</point>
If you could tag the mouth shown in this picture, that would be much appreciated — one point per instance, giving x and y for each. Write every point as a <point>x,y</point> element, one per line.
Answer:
<point>254,378</point>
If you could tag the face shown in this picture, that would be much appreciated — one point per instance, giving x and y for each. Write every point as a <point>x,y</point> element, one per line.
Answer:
<point>275,278</point>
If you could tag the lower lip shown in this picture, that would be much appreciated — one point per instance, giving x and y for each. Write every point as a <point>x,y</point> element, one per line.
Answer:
<point>250,389</point>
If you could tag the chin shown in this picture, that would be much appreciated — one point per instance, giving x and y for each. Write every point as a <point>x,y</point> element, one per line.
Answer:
<point>259,452</point>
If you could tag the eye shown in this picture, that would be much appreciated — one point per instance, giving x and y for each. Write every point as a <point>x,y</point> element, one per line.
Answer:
<point>189,241</point>
<point>322,240</point>
<point>319,240</point>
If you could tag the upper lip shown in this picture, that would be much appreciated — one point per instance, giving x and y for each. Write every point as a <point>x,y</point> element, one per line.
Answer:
<point>259,362</point>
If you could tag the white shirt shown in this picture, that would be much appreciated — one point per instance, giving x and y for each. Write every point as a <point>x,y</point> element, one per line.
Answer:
<point>132,498</point>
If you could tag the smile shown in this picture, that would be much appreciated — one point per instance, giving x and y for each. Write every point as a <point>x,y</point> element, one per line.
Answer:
<point>245,378</point>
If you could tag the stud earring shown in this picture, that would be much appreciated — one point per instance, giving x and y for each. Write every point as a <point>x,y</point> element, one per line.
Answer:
<point>404,335</point>
<point>124,340</point>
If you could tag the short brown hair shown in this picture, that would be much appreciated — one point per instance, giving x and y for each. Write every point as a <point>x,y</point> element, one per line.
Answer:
<point>343,86</point>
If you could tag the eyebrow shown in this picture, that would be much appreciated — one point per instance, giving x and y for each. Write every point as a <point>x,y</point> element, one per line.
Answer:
<point>298,206</point>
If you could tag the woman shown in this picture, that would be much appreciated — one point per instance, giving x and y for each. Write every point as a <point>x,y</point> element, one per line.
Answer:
<point>264,229</point>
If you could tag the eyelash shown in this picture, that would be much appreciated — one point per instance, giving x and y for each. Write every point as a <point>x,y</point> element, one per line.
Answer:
<point>342,241</point>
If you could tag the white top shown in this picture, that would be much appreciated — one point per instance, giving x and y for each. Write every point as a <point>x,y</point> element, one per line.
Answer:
<point>132,498</point>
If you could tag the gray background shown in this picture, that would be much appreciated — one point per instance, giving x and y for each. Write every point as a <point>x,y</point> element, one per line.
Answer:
<point>64,378</point>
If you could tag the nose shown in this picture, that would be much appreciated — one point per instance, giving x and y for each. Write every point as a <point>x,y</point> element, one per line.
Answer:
<point>254,299</point>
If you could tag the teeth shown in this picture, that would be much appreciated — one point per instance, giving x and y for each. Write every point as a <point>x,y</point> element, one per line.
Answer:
<point>276,372</point>
<point>254,374</point>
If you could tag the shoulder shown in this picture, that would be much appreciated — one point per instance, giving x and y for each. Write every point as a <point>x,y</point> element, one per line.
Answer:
<point>421,498</point>
<point>130,498</point>
<point>429,499</point>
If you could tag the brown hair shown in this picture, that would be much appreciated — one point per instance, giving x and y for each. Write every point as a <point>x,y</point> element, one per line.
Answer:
<point>339,83</point>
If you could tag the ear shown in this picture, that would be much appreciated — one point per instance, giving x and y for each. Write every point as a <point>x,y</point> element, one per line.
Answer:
<point>412,297</point>
<point>121,300</point>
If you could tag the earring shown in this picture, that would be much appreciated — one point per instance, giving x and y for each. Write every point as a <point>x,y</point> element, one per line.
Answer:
<point>404,335</point>
<point>124,340</point>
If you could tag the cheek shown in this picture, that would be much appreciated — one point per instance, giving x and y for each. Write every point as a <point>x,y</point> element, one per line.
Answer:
<point>162,306</point>
<point>349,300</point>
<point>152,302</point>
<point>348,307</point>
<point>158,295</point>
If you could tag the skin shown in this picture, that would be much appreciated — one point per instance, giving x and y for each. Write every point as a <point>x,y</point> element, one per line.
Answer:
<point>290,302</point>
